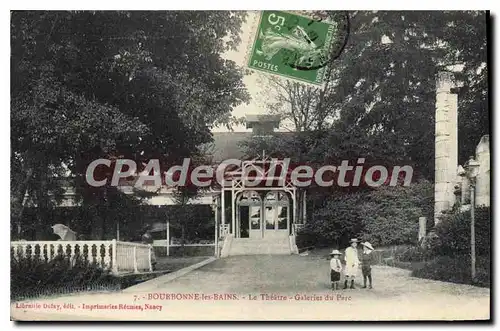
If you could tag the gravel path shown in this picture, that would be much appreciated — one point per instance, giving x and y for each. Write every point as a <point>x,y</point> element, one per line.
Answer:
<point>275,288</point>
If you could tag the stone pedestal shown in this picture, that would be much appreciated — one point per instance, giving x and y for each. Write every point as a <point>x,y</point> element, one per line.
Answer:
<point>422,227</point>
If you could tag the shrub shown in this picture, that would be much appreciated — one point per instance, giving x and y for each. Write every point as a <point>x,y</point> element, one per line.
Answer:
<point>390,214</point>
<point>385,216</point>
<point>415,254</point>
<point>453,233</point>
<point>306,237</point>
<point>399,255</point>
<point>335,223</point>
<point>31,276</point>
<point>456,269</point>
<point>177,251</point>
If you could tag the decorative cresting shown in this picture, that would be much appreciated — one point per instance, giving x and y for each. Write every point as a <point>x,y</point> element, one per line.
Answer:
<point>249,198</point>
<point>277,198</point>
<point>267,170</point>
<point>117,256</point>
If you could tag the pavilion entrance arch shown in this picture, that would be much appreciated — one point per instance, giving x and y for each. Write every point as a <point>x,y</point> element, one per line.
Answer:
<point>259,211</point>
<point>264,214</point>
<point>249,214</point>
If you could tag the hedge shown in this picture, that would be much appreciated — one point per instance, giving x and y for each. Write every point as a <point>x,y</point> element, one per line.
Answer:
<point>453,233</point>
<point>178,251</point>
<point>455,269</point>
<point>385,216</point>
<point>32,277</point>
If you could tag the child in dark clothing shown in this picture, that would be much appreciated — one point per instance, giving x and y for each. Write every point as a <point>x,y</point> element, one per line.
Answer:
<point>335,269</point>
<point>366,263</point>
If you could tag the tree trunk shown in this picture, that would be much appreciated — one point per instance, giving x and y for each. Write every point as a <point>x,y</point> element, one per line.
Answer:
<point>313,209</point>
<point>18,203</point>
<point>183,236</point>
<point>103,229</point>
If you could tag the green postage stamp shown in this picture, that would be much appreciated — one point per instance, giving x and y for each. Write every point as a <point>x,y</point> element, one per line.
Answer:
<point>297,46</point>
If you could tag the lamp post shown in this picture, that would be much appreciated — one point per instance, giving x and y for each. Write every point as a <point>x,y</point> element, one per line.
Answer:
<point>471,168</point>
<point>216,217</point>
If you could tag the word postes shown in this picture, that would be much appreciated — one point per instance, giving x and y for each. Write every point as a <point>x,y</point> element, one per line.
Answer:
<point>298,45</point>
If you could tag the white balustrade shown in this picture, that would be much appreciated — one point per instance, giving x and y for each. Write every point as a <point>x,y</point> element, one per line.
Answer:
<point>133,257</point>
<point>118,256</point>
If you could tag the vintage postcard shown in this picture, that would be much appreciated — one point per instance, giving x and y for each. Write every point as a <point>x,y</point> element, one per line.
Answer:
<point>269,165</point>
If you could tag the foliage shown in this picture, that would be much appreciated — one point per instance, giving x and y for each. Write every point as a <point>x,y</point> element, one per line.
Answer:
<point>453,233</point>
<point>31,275</point>
<point>307,237</point>
<point>383,83</point>
<point>446,255</point>
<point>414,254</point>
<point>455,269</point>
<point>473,110</point>
<point>390,214</point>
<point>384,216</point>
<point>335,223</point>
<point>300,106</point>
<point>139,85</point>
<point>101,218</point>
<point>196,222</point>
<point>183,251</point>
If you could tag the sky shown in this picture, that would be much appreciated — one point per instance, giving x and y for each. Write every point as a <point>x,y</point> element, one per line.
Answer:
<point>239,56</point>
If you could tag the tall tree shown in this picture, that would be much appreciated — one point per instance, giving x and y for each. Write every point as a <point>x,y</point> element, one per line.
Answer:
<point>139,85</point>
<point>302,105</point>
<point>381,95</point>
<point>380,98</point>
<point>385,82</point>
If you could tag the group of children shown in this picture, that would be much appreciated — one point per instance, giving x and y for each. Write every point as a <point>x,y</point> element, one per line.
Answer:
<point>352,263</point>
